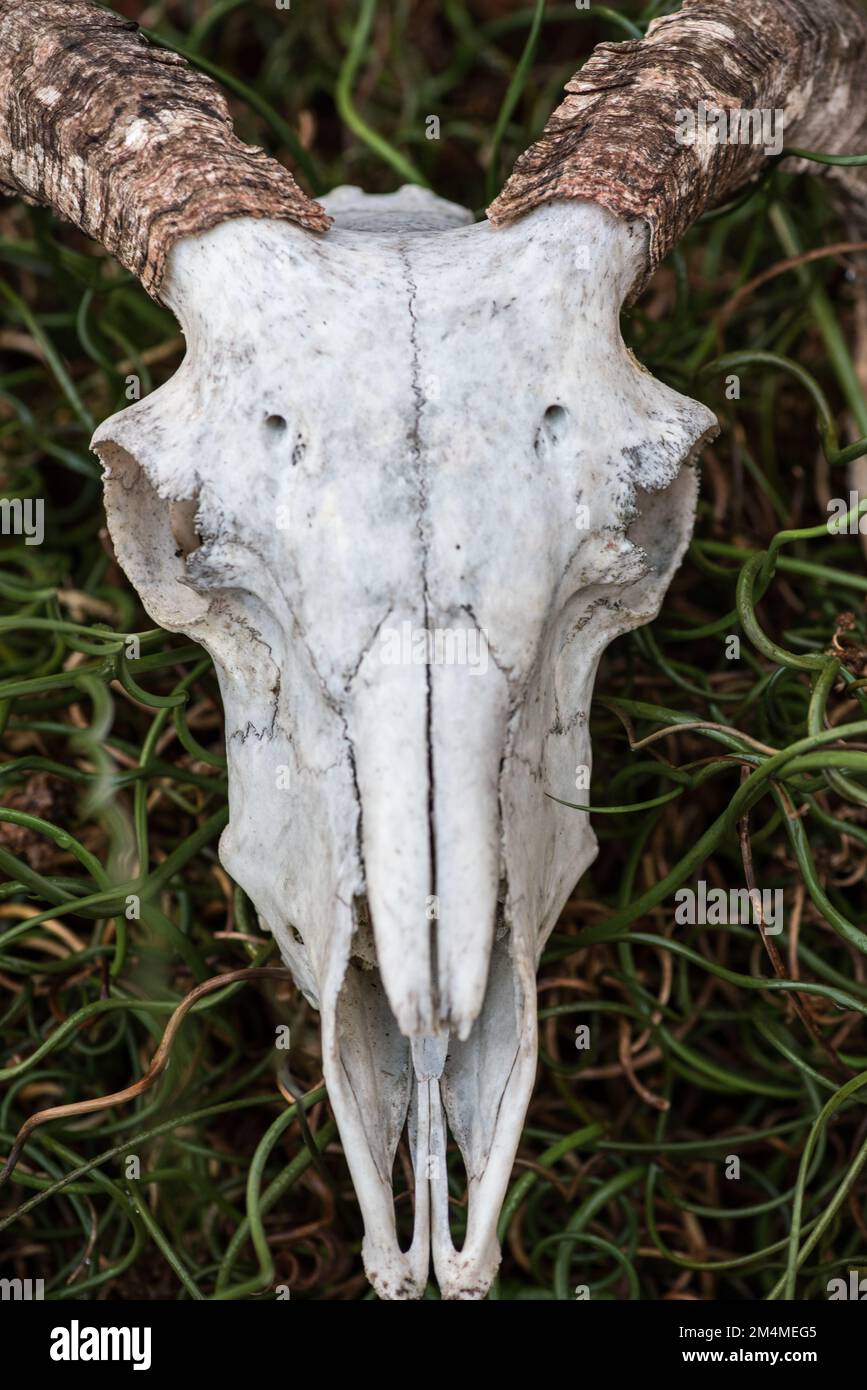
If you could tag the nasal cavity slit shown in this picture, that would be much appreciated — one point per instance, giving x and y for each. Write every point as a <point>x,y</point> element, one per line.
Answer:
<point>182,519</point>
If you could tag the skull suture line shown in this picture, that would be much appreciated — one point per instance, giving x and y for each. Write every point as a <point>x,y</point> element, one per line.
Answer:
<point>422,429</point>
<point>411,426</point>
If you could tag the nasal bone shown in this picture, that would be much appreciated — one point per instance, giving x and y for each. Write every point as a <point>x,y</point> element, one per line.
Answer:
<point>428,743</point>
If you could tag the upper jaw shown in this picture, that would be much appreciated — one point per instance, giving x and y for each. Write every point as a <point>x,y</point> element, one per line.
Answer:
<point>419,1070</point>
<point>434,1084</point>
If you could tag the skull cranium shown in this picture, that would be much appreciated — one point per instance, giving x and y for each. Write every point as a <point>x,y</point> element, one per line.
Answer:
<point>405,488</point>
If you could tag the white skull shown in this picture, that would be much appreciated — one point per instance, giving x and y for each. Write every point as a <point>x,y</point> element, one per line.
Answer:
<point>405,488</point>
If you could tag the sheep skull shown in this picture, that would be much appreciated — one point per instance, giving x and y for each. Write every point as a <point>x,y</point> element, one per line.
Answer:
<point>405,488</point>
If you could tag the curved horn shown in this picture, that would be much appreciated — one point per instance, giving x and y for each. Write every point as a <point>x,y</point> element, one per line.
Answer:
<point>126,141</point>
<point>614,141</point>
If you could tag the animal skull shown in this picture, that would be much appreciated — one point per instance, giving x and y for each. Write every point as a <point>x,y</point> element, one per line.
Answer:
<point>406,487</point>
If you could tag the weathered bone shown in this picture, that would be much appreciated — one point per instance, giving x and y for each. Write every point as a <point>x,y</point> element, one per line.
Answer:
<point>613,142</point>
<point>125,140</point>
<point>408,782</point>
<point>381,435</point>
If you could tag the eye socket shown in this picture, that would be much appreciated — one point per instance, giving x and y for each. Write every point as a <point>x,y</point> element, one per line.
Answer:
<point>553,428</point>
<point>275,423</point>
<point>153,540</point>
